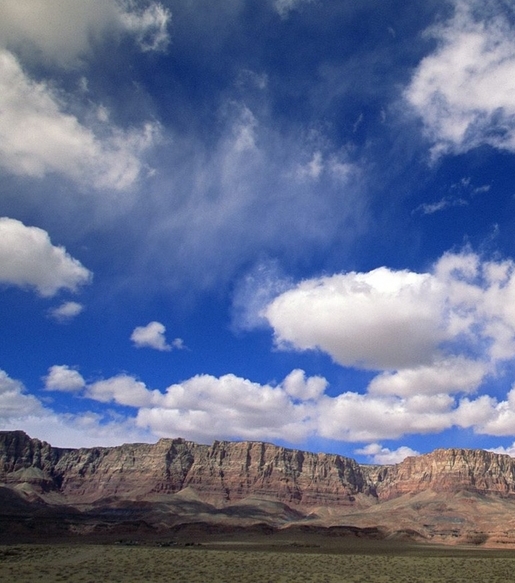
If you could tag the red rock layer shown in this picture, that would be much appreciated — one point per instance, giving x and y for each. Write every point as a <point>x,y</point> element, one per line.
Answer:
<point>226,472</point>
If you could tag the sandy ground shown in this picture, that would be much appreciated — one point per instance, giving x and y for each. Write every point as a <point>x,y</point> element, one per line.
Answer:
<point>82,563</point>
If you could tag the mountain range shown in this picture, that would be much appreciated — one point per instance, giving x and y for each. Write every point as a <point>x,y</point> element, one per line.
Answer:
<point>451,496</point>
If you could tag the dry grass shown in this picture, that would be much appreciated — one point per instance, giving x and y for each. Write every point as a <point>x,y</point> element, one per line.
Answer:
<point>128,564</point>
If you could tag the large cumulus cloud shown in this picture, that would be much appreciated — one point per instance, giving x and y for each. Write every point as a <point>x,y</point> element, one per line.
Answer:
<point>445,328</point>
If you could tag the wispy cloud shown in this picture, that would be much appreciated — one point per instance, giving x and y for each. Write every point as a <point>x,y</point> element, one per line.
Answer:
<point>461,194</point>
<point>64,33</point>
<point>284,7</point>
<point>481,189</point>
<point>254,291</point>
<point>452,88</point>
<point>150,26</point>
<point>429,208</point>
<point>37,136</point>
<point>66,311</point>
<point>256,191</point>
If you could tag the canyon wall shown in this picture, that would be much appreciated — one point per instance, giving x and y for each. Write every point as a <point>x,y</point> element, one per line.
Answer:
<point>449,470</point>
<point>226,472</point>
<point>219,473</point>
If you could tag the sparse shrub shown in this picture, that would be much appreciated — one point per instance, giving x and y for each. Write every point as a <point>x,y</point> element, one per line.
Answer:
<point>476,538</point>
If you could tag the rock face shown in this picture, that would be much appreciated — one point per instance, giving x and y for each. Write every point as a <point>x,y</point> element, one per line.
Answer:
<point>447,496</point>
<point>449,471</point>
<point>227,472</point>
<point>221,473</point>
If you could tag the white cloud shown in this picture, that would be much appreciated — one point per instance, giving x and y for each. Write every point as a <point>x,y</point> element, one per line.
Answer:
<point>63,378</point>
<point>124,390</point>
<point>28,259</point>
<point>486,415</point>
<point>153,336</point>
<point>206,407</point>
<point>363,417</point>
<point>297,386</point>
<point>434,336</point>
<point>510,450</point>
<point>474,413</point>
<point>440,331</point>
<point>355,317</point>
<point>14,401</point>
<point>491,417</point>
<point>464,90</point>
<point>62,31</point>
<point>37,137</point>
<point>66,311</point>
<point>457,321</point>
<point>378,454</point>
<point>446,375</point>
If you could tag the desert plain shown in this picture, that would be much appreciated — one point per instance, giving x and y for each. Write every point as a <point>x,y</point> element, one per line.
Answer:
<point>253,559</point>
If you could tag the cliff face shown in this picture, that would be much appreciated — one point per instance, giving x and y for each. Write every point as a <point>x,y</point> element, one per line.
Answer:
<point>227,472</point>
<point>239,470</point>
<point>222,472</point>
<point>449,470</point>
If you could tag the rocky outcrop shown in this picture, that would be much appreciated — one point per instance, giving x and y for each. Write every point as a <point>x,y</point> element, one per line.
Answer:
<point>227,472</point>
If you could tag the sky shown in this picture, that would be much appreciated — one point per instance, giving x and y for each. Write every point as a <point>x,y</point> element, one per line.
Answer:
<point>289,221</point>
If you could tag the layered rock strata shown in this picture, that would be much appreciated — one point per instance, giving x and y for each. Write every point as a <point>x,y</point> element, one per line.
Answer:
<point>448,470</point>
<point>226,472</point>
<point>220,473</point>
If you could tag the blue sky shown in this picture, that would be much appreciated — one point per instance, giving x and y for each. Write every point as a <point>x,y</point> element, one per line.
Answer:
<point>280,220</point>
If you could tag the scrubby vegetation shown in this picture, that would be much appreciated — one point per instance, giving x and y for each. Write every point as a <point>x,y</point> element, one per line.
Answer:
<point>134,563</point>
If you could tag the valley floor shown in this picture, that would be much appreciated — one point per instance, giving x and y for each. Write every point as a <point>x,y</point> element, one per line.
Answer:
<point>253,562</point>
